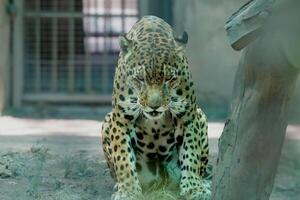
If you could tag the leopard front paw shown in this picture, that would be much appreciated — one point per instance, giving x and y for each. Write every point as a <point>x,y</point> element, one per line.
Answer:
<point>122,194</point>
<point>126,196</point>
<point>197,194</point>
<point>196,191</point>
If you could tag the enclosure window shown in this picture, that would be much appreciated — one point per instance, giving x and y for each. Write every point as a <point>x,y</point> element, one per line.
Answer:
<point>71,46</point>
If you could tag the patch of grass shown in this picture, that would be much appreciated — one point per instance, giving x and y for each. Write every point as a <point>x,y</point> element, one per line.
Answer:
<point>66,193</point>
<point>161,194</point>
<point>159,191</point>
<point>29,166</point>
<point>33,168</point>
<point>77,166</point>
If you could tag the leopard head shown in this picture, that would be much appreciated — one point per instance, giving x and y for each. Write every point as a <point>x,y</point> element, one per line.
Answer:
<point>155,69</point>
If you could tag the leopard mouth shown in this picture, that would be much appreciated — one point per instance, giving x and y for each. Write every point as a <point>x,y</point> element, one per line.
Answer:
<point>153,114</point>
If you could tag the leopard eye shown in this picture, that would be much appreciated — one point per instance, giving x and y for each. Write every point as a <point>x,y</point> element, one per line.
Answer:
<point>170,78</point>
<point>139,78</point>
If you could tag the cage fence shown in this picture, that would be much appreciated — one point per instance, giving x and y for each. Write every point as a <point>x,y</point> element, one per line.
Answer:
<point>71,46</point>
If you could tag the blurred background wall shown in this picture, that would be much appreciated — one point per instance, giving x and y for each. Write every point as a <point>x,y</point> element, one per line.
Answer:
<point>212,59</point>
<point>65,51</point>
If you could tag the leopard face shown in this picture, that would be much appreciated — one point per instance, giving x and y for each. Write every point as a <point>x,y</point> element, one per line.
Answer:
<point>154,92</point>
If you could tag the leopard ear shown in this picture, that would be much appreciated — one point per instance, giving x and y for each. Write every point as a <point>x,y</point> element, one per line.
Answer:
<point>125,43</point>
<point>182,41</point>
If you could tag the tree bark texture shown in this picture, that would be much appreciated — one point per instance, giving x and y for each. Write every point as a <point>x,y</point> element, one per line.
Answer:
<point>252,139</point>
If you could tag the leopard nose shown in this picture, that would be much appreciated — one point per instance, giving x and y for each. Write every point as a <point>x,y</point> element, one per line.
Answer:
<point>154,107</point>
<point>154,100</point>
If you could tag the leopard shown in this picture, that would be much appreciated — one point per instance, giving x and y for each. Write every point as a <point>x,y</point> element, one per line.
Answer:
<point>156,131</point>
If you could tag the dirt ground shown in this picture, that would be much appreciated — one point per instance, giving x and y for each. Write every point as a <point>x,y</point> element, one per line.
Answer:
<point>63,160</point>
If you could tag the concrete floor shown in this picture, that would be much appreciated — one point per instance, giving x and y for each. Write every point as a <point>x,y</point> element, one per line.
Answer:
<point>70,137</point>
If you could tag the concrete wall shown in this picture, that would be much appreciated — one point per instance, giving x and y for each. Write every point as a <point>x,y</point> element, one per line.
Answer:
<point>4,54</point>
<point>213,61</point>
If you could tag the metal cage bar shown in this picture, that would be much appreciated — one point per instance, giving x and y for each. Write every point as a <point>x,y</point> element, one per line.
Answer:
<point>71,52</point>
<point>54,56</point>
<point>37,50</point>
<point>18,56</point>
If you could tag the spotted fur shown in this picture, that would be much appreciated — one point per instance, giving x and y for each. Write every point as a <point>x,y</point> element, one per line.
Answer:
<point>156,132</point>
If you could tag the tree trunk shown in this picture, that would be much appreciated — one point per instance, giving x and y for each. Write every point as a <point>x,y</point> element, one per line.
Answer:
<point>252,139</point>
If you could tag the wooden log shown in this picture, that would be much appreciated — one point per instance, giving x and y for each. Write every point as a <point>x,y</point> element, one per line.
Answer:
<point>252,139</point>
<point>245,25</point>
<point>250,146</point>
